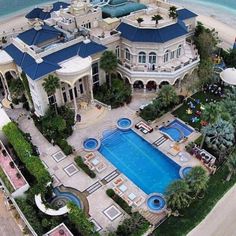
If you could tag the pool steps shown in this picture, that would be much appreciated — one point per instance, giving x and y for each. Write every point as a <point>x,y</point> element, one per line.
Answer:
<point>93,188</point>
<point>111,176</point>
<point>160,141</point>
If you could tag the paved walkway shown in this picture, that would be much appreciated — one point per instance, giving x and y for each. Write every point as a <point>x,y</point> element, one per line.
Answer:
<point>221,220</point>
<point>8,225</point>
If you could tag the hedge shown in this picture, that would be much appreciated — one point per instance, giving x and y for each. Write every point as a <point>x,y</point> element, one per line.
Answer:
<point>79,161</point>
<point>122,203</point>
<point>6,181</point>
<point>24,151</point>
<point>65,147</point>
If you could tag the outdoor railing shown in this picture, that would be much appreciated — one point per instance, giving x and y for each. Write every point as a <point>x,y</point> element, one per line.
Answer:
<point>94,102</point>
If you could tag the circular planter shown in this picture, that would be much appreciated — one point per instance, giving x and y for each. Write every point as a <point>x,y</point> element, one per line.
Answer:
<point>156,203</point>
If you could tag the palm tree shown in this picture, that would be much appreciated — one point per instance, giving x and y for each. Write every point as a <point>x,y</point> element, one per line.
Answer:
<point>139,20</point>
<point>156,18</point>
<point>231,164</point>
<point>177,195</point>
<point>108,63</point>
<point>50,85</point>
<point>212,112</point>
<point>197,180</point>
<point>219,136</point>
<point>172,12</point>
<point>167,95</point>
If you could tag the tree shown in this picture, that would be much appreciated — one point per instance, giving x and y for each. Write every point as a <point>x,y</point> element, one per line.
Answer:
<point>173,12</point>
<point>79,219</point>
<point>219,136</point>
<point>229,57</point>
<point>16,88</point>
<point>231,164</point>
<point>167,95</point>
<point>108,62</point>
<point>139,20</point>
<point>197,180</point>
<point>177,195</point>
<point>156,18</point>
<point>50,85</point>
<point>205,73</point>
<point>213,111</point>
<point>205,41</point>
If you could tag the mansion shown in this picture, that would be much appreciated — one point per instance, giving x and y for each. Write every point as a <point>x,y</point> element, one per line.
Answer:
<point>67,40</point>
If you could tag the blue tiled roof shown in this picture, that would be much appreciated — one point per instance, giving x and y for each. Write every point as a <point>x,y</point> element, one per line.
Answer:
<point>40,14</point>
<point>161,35</point>
<point>51,62</point>
<point>184,14</point>
<point>35,37</point>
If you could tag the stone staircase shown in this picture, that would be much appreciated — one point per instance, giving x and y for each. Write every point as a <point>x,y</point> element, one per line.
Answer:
<point>152,218</point>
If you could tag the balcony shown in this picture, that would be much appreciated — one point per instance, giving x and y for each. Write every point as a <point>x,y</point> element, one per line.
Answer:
<point>169,71</point>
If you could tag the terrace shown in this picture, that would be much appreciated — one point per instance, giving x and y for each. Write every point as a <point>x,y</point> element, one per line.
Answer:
<point>12,172</point>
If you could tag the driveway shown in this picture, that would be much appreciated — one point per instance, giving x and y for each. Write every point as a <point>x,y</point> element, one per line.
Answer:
<point>221,221</point>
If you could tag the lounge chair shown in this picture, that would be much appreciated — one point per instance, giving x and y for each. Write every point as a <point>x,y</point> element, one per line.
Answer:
<point>118,182</point>
<point>127,200</point>
<point>90,166</point>
<point>89,156</point>
<point>139,201</point>
<point>100,167</point>
<point>118,191</point>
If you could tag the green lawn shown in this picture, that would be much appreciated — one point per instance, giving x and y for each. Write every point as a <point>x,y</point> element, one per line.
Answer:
<point>181,111</point>
<point>192,216</point>
<point>6,181</point>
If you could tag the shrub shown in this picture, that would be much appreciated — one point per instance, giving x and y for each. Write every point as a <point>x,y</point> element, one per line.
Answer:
<point>6,182</point>
<point>84,167</point>
<point>122,203</point>
<point>79,219</point>
<point>66,148</point>
<point>24,151</point>
<point>136,225</point>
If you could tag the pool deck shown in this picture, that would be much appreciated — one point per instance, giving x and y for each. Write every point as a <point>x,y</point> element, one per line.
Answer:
<point>95,189</point>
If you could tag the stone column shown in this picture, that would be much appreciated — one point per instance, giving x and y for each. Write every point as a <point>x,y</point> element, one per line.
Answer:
<point>144,88</point>
<point>74,100</point>
<point>6,88</point>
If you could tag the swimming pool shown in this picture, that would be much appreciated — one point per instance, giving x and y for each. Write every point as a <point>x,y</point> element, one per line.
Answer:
<point>176,130</point>
<point>147,167</point>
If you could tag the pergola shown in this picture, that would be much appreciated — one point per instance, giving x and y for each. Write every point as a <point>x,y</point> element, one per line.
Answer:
<point>229,76</point>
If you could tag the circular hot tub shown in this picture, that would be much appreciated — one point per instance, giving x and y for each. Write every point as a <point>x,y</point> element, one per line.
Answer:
<point>184,171</point>
<point>91,144</point>
<point>156,203</point>
<point>124,124</point>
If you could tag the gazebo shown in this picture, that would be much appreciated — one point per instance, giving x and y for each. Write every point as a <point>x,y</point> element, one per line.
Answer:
<point>229,76</point>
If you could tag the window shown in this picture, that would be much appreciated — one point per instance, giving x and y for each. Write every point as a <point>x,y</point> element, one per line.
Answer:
<point>51,99</point>
<point>172,55</point>
<point>179,51</point>
<point>152,58</point>
<point>142,57</point>
<point>95,74</point>
<point>166,56</point>
<point>117,51</point>
<point>127,54</point>
<point>87,25</point>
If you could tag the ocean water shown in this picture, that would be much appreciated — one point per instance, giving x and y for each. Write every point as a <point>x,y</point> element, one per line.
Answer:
<point>222,10</point>
<point>9,7</point>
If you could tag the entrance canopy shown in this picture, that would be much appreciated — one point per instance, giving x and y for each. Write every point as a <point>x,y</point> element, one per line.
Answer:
<point>229,76</point>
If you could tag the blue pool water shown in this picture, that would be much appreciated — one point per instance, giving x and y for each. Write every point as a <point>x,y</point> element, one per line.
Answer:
<point>176,130</point>
<point>156,207</point>
<point>69,196</point>
<point>146,166</point>
<point>186,171</point>
<point>90,144</point>
<point>124,124</point>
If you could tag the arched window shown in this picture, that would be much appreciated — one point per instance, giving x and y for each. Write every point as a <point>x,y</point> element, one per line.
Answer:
<point>172,55</point>
<point>117,51</point>
<point>179,51</point>
<point>152,58</point>
<point>127,54</point>
<point>166,56</point>
<point>142,57</point>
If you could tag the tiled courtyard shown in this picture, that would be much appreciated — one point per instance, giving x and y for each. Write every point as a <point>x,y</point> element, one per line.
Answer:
<point>102,209</point>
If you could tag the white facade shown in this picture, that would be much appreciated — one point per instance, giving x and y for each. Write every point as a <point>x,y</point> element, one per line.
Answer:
<point>140,63</point>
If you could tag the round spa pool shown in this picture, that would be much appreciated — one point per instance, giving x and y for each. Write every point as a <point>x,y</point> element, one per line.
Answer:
<point>156,203</point>
<point>184,171</point>
<point>124,124</point>
<point>91,144</point>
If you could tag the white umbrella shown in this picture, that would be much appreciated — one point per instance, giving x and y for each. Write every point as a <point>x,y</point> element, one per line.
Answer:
<point>229,76</point>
